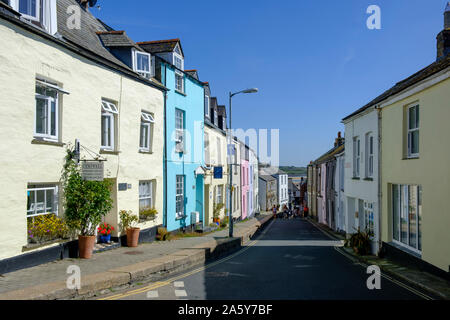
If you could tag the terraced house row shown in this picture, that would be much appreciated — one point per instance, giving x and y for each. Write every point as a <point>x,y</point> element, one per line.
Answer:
<point>391,175</point>
<point>160,132</point>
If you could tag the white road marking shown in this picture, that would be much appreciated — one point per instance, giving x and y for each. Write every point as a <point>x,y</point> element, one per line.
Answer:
<point>181,293</point>
<point>178,284</point>
<point>152,294</point>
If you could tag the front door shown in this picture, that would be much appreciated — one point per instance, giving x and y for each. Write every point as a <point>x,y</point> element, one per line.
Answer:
<point>206,220</point>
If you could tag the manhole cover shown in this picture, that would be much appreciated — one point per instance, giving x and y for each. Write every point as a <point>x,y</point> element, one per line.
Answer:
<point>134,253</point>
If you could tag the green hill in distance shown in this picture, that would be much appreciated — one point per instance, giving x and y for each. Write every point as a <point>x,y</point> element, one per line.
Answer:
<point>294,171</point>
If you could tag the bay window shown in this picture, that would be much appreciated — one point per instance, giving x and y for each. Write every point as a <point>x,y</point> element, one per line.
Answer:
<point>146,135</point>
<point>407,215</point>
<point>108,123</point>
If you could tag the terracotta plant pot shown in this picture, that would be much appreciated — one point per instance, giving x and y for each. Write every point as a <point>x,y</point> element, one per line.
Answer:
<point>86,246</point>
<point>133,237</point>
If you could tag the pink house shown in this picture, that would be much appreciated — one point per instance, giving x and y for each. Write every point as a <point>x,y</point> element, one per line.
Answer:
<point>245,185</point>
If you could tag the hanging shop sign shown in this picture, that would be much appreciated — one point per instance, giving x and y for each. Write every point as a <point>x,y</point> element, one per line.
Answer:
<point>92,170</point>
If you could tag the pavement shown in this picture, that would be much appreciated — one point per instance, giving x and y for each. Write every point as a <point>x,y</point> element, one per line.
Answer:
<point>124,266</point>
<point>434,286</point>
<point>290,259</point>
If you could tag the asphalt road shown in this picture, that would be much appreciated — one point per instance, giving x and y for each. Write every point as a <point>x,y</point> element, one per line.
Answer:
<point>290,259</point>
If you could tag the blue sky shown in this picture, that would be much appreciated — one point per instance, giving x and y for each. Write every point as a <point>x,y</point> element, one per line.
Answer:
<point>313,61</point>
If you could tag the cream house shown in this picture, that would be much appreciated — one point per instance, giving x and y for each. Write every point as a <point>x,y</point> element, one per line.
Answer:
<point>59,85</point>
<point>216,178</point>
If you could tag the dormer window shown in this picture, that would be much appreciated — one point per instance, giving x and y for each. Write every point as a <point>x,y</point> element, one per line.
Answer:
<point>178,61</point>
<point>142,63</point>
<point>42,13</point>
<point>30,9</point>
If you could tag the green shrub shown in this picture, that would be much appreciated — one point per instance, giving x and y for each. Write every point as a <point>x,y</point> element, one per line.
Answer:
<point>163,234</point>
<point>85,202</point>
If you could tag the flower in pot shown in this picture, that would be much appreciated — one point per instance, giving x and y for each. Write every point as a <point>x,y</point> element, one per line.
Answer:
<point>85,203</point>
<point>127,222</point>
<point>104,230</point>
<point>147,213</point>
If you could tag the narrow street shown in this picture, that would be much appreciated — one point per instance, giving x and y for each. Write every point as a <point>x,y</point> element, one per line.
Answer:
<point>290,259</point>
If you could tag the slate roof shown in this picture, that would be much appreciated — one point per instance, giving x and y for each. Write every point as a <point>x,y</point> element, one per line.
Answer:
<point>116,39</point>
<point>192,73</point>
<point>84,41</point>
<point>222,111</point>
<point>86,36</point>
<point>267,178</point>
<point>329,154</point>
<point>426,72</point>
<point>160,46</point>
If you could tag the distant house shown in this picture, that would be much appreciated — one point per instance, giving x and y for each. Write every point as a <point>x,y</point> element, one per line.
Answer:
<point>323,194</point>
<point>267,192</point>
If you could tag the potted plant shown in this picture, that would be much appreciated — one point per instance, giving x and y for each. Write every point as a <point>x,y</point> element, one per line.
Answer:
<point>147,214</point>
<point>216,212</point>
<point>105,229</point>
<point>85,203</point>
<point>127,222</point>
<point>360,242</point>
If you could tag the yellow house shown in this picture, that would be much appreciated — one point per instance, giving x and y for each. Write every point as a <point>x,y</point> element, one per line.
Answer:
<point>415,158</point>
<point>59,87</point>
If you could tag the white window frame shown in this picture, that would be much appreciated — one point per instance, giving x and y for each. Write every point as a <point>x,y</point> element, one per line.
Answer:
<point>219,194</point>
<point>369,155</point>
<point>410,131</point>
<point>207,149</point>
<point>15,4</point>
<point>207,106</point>
<point>178,75</point>
<point>356,157</point>
<point>147,121</point>
<point>48,100</point>
<point>175,57</point>
<point>146,197</point>
<point>54,188</point>
<point>146,74</point>
<point>179,195</point>
<point>179,131</point>
<point>110,111</point>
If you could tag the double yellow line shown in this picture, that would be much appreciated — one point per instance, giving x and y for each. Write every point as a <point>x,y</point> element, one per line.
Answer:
<point>160,284</point>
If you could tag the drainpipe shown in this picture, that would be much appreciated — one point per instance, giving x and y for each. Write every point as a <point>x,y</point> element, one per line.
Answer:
<point>379,178</point>
<point>165,150</point>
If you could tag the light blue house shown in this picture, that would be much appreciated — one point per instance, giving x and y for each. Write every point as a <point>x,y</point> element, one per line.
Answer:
<point>184,135</point>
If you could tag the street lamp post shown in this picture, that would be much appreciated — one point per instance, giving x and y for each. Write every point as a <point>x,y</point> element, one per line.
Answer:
<point>230,166</point>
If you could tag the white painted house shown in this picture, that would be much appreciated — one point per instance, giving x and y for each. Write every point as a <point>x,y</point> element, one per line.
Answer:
<point>339,180</point>
<point>361,181</point>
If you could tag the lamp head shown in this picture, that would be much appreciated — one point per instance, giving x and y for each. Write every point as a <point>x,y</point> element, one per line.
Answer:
<point>252,90</point>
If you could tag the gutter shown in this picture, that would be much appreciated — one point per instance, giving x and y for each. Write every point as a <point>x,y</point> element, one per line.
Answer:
<point>380,193</point>
<point>165,152</point>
